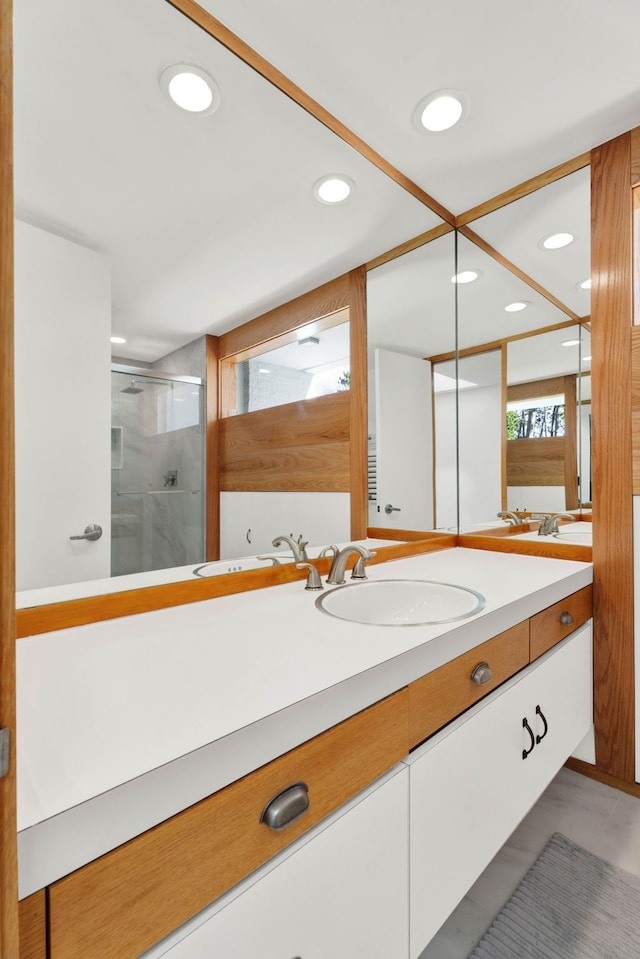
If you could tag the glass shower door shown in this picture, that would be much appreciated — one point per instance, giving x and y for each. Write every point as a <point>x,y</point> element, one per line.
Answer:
<point>157,470</point>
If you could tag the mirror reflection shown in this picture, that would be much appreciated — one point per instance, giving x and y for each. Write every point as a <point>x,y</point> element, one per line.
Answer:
<point>411,317</point>
<point>524,385</point>
<point>157,226</point>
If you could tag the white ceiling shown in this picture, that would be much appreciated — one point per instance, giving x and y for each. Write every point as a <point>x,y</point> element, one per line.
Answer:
<point>209,221</point>
<point>546,80</point>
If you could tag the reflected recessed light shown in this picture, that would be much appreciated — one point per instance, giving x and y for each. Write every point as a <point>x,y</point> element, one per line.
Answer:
<point>118,339</point>
<point>570,342</point>
<point>555,241</point>
<point>585,285</point>
<point>440,111</point>
<point>465,276</point>
<point>191,88</point>
<point>517,306</point>
<point>334,188</point>
<point>263,370</point>
<point>586,359</point>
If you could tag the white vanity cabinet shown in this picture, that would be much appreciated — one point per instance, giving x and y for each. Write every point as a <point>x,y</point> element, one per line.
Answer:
<point>472,783</point>
<point>339,892</point>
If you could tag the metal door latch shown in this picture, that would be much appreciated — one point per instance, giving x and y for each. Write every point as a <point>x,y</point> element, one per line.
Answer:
<point>5,750</point>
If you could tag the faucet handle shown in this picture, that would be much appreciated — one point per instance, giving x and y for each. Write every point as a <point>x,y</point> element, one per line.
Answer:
<point>313,577</point>
<point>328,549</point>
<point>358,567</point>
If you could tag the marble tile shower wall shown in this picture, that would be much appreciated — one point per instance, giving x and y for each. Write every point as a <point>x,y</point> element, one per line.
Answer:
<point>164,529</point>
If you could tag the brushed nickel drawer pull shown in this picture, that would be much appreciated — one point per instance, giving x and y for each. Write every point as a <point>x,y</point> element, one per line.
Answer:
<point>286,807</point>
<point>567,619</point>
<point>482,674</point>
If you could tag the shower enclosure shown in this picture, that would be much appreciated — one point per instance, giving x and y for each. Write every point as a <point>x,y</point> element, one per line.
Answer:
<point>157,470</point>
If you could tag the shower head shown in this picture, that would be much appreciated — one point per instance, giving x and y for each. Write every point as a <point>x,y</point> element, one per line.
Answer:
<point>133,388</point>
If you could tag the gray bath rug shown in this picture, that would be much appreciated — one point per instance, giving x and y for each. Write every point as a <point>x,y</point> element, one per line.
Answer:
<point>570,905</point>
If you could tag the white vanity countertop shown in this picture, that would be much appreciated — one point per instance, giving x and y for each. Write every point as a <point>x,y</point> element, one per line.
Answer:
<point>125,722</point>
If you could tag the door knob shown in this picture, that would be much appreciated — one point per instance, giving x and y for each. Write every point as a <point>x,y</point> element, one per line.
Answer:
<point>392,509</point>
<point>93,531</point>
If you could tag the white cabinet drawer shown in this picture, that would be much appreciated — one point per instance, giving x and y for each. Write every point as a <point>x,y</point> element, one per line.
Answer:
<point>341,892</point>
<point>471,784</point>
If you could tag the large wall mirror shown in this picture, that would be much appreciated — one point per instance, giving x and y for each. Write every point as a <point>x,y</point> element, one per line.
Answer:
<point>160,226</point>
<point>411,313</point>
<point>524,356</point>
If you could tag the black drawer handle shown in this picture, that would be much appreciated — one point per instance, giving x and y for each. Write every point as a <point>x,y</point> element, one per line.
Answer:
<point>525,725</point>
<point>286,807</point>
<point>546,725</point>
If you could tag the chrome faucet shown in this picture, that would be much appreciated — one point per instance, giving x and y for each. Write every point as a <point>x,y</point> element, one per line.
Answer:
<point>339,564</point>
<point>549,524</point>
<point>297,547</point>
<point>513,519</point>
<point>328,549</point>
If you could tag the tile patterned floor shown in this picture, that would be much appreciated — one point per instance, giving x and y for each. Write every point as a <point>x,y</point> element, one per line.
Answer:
<point>602,820</point>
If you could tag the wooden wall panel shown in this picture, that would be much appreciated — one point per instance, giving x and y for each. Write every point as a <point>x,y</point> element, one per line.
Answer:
<point>301,446</point>
<point>635,157</point>
<point>611,318</point>
<point>570,441</point>
<point>8,828</point>
<point>636,255</point>
<point>536,462</point>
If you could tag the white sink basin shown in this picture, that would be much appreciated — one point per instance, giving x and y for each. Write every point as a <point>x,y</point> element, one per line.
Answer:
<point>578,534</point>
<point>400,602</point>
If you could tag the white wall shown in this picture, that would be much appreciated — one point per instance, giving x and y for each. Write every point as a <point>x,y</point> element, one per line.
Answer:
<point>249,522</point>
<point>63,438</point>
<point>480,425</point>
<point>446,460</point>
<point>537,499</point>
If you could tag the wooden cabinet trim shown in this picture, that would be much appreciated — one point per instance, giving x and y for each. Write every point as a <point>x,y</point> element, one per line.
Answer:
<point>547,629</point>
<point>440,696</point>
<point>32,919</point>
<point>127,900</point>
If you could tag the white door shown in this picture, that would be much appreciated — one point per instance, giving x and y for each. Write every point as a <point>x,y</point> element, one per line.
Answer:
<point>342,895</point>
<point>404,446</point>
<point>63,409</point>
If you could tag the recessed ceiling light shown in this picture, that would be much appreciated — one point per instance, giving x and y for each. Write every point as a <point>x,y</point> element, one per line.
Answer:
<point>440,111</point>
<point>308,341</point>
<point>191,88</point>
<point>465,276</point>
<point>517,306</point>
<point>570,342</point>
<point>334,188</point>
<point>118,339</point>
<point>555,241</point>
<point>585,285</point>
